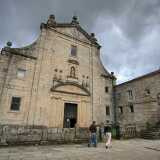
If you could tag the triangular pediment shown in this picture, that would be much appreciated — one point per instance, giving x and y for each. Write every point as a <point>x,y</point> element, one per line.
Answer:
<point>70,88</point>
<point>75,32</point>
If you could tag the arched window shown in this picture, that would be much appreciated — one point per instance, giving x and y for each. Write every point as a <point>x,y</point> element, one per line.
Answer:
<point>73,72</point>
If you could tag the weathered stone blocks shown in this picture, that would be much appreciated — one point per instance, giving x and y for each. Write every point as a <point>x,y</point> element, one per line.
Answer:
<point>14,134</point>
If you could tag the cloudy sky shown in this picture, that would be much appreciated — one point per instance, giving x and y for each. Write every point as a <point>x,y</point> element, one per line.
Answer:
<point>128,30</point>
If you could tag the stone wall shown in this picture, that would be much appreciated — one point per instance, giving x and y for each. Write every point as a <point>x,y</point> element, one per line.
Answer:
<point>16,134</point>
<point>143,99</point>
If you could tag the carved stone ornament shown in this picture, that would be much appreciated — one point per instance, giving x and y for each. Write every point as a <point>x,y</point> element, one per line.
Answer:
<point>75,20</point>
<point>51,21</point>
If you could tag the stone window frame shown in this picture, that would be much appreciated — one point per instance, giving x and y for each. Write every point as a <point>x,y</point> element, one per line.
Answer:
<point>130,94</point>
<point>13,103</point>
<point>106,89</point>
<point>131,107</point>
<point>120,109</point>
<point>73,52</point>
<point>107,110</point>
<point>19,73</point>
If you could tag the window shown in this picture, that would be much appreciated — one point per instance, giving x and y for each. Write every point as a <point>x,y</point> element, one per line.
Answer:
<point>106,89</point>
<point>74,51</point>
<point>120,109</point>
<point>131,108</point>
<point>130,94</point>
<point>21,73</point>
<point>73,72</point>
<point>107,111</point>
<point>15,104</point>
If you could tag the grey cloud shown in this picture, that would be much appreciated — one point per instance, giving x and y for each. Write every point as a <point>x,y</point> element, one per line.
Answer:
<point>127,29</point>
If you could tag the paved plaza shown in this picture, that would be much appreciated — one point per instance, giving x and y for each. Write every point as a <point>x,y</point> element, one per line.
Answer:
<point>135,149</point>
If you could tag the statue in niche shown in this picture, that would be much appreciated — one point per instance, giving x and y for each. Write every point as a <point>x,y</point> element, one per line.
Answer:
<point>73,72</point>
<point>83,83</point>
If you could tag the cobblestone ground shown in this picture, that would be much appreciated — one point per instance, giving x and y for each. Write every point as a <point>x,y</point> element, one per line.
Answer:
<point>135,149</point>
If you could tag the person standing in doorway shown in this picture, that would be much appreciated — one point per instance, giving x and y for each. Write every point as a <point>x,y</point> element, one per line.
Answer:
<point>93,136</point>
<point>107,131</point>
<point>68,123</point>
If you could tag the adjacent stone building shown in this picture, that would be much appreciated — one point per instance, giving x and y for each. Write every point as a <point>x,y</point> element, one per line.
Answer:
<point>58,81</point>
<point>138,103</point>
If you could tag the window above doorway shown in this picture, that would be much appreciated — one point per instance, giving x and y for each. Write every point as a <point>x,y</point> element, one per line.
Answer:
<point>73,51</point>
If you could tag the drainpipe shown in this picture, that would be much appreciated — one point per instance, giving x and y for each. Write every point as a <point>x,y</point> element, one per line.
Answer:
<point>114,98</point>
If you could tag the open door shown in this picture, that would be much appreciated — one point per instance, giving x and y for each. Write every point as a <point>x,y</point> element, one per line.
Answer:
<point>70,115</point>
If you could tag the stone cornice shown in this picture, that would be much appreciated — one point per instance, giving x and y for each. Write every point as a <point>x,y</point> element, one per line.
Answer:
<point>71,25</point>
<point>15,52</point>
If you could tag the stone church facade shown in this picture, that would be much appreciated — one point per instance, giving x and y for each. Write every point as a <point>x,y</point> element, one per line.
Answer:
<point>58,81</point>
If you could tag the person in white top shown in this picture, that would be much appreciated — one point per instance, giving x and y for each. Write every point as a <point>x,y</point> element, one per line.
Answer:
<point>107,131</point>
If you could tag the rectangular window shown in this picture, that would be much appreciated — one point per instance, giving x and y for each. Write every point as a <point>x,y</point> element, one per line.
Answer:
<point>131,108</point>
<point>74,51</point>
<point>130,94</point>
<point>106,89</point>
<point>107,110</point>
<point>120,109</point>
<point>15,104</point>
<point>21,73</point>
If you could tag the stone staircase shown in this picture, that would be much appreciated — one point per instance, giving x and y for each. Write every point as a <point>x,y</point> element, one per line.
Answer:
<point>152,132</point>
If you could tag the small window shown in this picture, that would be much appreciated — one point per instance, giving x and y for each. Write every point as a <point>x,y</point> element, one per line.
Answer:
<point>107,110</point>
<point>120,109</point>
<point>130,94</point>
<point>15,104</point>
<point>106,89</point>
<point>21,73</point>
<point>74,51</point>
<point>131,108</point>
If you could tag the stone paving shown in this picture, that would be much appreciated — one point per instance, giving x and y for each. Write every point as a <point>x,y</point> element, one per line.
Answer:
<point>135,149</point>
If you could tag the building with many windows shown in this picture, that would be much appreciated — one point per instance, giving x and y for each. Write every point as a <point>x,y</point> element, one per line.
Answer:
<point>138,103</point>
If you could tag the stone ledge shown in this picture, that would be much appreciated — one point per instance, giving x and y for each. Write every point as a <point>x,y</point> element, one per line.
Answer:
<point>26,135</point>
